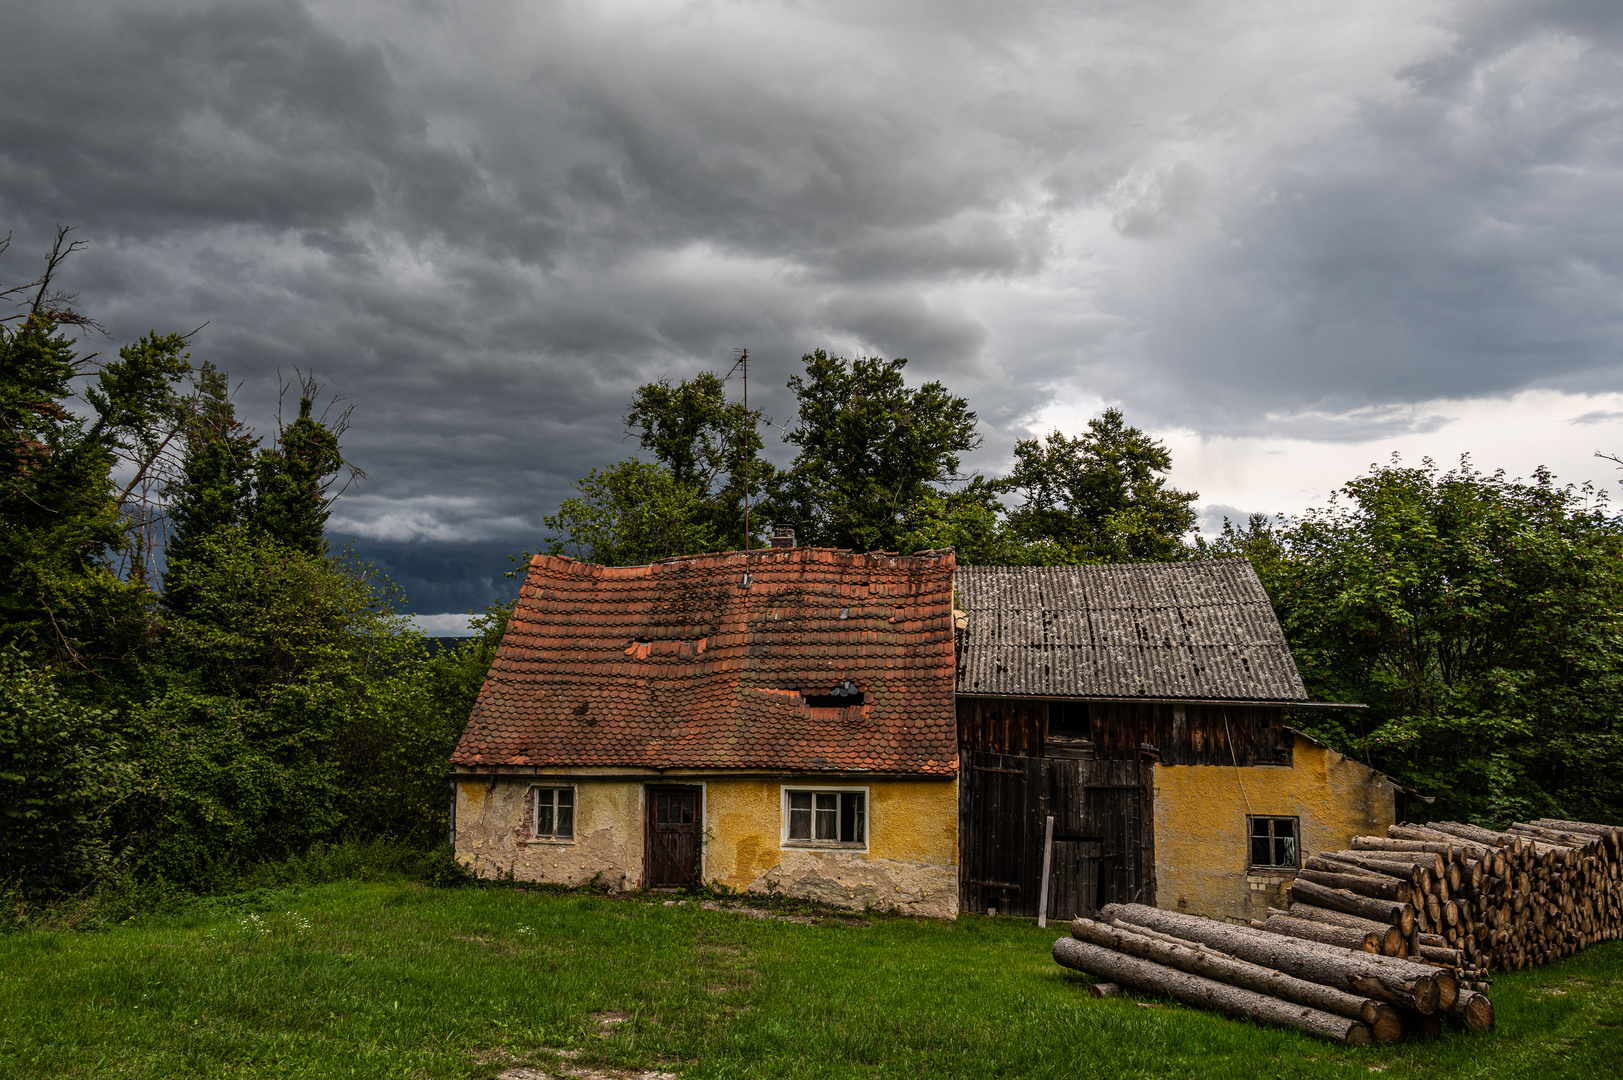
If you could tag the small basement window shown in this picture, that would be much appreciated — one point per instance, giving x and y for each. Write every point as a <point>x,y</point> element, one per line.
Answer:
<point>554,813</point>
<point>826,818</point>
<point>1273,843</point>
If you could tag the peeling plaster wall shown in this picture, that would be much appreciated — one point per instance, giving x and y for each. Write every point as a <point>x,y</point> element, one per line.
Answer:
<point>492,832</point>
<point>1200,825</point>
<point>910,865</point>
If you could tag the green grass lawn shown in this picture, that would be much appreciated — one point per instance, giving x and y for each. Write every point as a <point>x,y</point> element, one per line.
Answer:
<point>377,980</point>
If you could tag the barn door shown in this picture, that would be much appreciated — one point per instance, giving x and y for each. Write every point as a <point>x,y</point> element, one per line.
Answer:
<point>1103,849</point>
<point>1000,829</point>
<point>675,816</point>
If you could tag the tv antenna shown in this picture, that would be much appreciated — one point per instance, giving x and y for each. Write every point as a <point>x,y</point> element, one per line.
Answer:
<point>743,365</point>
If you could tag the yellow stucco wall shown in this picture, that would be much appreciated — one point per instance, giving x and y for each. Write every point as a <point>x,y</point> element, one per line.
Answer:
<point>910,865</point>
<point>491,839</point>
<point>1201,835</point>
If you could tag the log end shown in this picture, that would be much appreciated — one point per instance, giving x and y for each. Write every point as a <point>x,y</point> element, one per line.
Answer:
<point>1104,990</point>
<point>1475,1011</point>
<point>1388,1024</point>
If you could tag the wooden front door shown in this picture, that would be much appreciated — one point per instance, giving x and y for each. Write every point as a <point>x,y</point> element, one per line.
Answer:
<point>675,816</point>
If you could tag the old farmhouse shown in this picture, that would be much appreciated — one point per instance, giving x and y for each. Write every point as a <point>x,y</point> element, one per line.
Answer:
<point>897,732</point>
<point>778,720</point>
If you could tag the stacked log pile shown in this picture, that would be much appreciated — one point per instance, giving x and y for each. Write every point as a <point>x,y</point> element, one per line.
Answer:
<point>1470,899</point>
<point>1345,995</point>
<point>1393,934</point>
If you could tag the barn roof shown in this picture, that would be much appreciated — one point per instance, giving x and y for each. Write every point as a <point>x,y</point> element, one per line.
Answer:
<point>702,662</point>
<point>1198,630</point>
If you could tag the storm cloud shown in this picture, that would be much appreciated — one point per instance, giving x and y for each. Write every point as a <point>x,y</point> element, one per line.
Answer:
<point>485,223</point>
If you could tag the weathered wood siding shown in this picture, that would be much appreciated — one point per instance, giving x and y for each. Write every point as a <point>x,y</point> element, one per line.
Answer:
<point>1002,726</point>
<point>1104,834</point>
<point>1191,734</point>
<point>1183,734</point>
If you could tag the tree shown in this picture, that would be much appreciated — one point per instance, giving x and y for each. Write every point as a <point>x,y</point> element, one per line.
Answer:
<point>870,450</point>
<point>215,488</point>
<point>1100,497</point>
<point>629,514</point>
<point>708,444</point>
<point>276,656</point>
<point>1480,618</point>
<point>293,478</point>
<point>69,527</point>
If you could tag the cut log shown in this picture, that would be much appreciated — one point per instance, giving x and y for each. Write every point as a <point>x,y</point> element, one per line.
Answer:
<point>1374,862</point>
<point>1418,832</point>
<point>1381,888</point>
<point>1474,833</point>
<point>1203,993</point>
<point>1446,848</point>
<point>1324,933</point>
<point>1399,982</point>
<point>1391,938</point>
<point>1196,959</point>
<point>1400,915</point>
<point>1437,955</point>
<point>1433,862</point>
<point>1474,1010</point>
<point>1324,864</point>
<point>1103,990</point>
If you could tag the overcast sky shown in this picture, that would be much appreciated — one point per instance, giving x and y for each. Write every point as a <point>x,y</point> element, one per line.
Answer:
<point>1289,238</point>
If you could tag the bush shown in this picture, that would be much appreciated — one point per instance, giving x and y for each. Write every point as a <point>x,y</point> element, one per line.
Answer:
<point>59,776</point>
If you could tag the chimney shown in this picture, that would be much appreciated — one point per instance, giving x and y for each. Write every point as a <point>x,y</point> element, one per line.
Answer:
<point>783,536</point>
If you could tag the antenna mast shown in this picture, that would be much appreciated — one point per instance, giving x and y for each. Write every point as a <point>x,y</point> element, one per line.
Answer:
<point>749,445</point>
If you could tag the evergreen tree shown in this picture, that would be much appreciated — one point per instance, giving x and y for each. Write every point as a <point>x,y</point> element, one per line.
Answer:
<point>291,504</point>
<point>67,529</point>
<point>215,490</point>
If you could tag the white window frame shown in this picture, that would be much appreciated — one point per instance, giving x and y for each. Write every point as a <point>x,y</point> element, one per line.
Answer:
<point>825,845</point>
<point>574,818</point>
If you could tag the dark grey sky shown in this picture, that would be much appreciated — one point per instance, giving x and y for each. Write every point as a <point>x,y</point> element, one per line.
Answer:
<point>1289,237</point>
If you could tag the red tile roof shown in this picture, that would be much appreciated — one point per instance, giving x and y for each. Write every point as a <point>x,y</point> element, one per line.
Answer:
<point>683,664</point>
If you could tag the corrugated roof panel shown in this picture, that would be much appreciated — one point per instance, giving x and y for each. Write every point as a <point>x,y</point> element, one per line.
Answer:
<point>1199,630</point>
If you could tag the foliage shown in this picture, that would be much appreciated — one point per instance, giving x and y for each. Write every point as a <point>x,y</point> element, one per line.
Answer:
<point>215,488</point>
<point>1482,621</point>
<point>276,655</point>
<point>60,771</point>
<point>870,450</point>
<point>292,479</point>
<point>395,750</point>
<point>60,595</point>
<point>629,514</point>
<point>1099,497</point>
<point>708,444</point>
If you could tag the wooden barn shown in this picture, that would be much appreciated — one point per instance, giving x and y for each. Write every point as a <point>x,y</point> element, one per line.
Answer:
<point>1141,708</point>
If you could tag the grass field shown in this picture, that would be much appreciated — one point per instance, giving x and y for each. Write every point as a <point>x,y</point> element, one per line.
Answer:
<point>398,980</point>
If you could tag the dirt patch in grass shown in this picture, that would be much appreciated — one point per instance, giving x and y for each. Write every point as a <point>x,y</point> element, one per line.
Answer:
<point>581,1072</point>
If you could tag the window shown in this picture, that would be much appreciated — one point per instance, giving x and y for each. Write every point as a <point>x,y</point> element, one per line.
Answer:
<point>1273,842</point>
<point>554,813</point>
<point>826,818</point>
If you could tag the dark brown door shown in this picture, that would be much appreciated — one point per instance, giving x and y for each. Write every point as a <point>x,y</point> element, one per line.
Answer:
<point>675,816</point>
